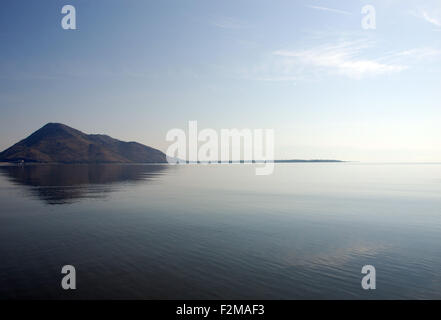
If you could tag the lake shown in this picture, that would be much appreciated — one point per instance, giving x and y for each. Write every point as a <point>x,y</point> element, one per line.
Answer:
<point>220,231</point>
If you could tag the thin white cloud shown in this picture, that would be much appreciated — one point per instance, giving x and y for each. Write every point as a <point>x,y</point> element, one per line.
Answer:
<point>352,58</point>
<point>229,23</point>
<point>330,10</point>
<point>434,17</point>
<point>420,53</point>
<point>425,15</point>
<point>343,59</point>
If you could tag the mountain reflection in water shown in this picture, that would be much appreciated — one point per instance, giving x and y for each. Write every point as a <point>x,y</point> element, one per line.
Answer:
<point>64,184</point>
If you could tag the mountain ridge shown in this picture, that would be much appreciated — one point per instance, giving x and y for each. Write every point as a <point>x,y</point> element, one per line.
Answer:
<point>59,143</point>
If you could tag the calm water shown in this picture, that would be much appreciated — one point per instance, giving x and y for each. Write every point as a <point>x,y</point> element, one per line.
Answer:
<point>208,232</point>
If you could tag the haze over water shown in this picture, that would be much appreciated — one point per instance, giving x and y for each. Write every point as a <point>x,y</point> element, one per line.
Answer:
<point>220,231</point>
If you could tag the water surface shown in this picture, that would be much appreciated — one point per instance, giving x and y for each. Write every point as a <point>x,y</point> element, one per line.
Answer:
<point>219,231</point>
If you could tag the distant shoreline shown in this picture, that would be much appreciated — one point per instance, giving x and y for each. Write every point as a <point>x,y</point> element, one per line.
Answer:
<point>264,161</point>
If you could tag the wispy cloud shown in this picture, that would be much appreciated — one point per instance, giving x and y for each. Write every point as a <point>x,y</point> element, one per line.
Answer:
<point>330,10</point>
<point>351,59</point>
<point>420,53</point>
<point>435,21</point>
<point>326,55</point>
<point>230,23</point>
<point>344,59</point>
<point>434,17</point>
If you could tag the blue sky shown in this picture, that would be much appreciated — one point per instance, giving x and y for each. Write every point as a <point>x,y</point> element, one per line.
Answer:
<point>307,69</point>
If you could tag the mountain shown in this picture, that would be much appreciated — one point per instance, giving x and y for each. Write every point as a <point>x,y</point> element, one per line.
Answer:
<point>56,142</point>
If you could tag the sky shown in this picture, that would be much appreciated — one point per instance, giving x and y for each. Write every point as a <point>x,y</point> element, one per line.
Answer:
<point>136,69</point>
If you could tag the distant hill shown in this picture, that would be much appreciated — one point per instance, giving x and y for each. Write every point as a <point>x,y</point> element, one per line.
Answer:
<point>58,143</point>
